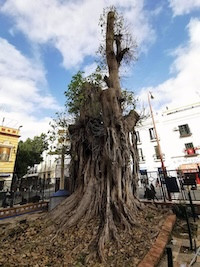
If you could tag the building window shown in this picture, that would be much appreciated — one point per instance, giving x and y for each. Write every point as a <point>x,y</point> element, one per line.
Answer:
<point>157,154</point>
<point>4,153</point>
<point>152,134</point>
<point>140,153</point>
<point>138,136</point>
<point>184,130</point>
<point>189,145</point>
<point>189,149</point>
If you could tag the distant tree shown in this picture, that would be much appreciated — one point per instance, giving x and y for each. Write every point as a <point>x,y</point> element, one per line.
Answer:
<point>29,153</point>
<point>58,137</point>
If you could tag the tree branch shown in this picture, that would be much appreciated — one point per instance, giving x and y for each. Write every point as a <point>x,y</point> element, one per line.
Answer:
<point>107,81</point>
<point>131,119</point>
<point>113,67</point>
<point>120,56</point>
<point>118,38</point>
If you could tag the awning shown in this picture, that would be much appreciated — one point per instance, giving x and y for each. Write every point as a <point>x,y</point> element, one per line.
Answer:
<point>30,175</point>
<point>4,175</point>
<point>192,167</point>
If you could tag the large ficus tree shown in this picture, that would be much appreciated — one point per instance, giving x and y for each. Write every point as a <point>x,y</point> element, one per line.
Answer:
<point>104,161</point>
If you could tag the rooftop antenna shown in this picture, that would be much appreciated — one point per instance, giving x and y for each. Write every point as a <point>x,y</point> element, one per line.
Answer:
<point>3,120</point>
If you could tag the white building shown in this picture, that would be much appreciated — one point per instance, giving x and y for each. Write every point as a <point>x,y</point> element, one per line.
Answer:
<point>179,136</point>
<point>49,170</point>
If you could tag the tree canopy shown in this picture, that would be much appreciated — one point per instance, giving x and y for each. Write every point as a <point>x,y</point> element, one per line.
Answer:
<point>29,153</point>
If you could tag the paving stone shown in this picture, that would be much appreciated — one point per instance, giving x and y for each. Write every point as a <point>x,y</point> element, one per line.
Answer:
<point>180,258</point>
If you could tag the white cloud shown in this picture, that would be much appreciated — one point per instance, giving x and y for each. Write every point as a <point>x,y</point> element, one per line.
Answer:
<point>184,87</point>
<point>72,27</point>
<point>180,7</point>
<point>21,87</point>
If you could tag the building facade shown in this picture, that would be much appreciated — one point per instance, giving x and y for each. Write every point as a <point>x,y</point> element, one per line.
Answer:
<point>179,137</point>
<point>8,149</point>
<point>48,172</point>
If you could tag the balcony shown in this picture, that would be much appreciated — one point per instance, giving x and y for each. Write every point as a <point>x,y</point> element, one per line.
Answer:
<point>156,157</point>
<point>190,152</point>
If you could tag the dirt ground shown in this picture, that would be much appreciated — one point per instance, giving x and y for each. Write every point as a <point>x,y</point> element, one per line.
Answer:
<point>25,242</point>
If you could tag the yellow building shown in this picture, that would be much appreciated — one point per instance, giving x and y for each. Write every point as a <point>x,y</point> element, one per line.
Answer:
<point>8,149</point>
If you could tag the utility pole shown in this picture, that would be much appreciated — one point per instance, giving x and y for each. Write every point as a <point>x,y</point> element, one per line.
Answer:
<point>64,144</point>
<point>62,172</point>
<point>158,144</point>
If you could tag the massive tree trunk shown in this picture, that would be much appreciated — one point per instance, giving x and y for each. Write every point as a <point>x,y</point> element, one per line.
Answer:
<point>104,161</point>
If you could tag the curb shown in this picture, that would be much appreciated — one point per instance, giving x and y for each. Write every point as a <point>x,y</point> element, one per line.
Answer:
<point>155,253</point>
<point>23,209</point>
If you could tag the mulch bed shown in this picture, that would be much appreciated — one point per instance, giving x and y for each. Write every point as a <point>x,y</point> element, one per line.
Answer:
<point>26,243</point>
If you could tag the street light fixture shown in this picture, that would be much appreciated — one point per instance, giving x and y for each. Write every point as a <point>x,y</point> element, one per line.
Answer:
<point>158,143</point>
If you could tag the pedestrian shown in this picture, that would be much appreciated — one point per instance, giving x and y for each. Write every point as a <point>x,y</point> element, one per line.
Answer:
<point>153,191</point>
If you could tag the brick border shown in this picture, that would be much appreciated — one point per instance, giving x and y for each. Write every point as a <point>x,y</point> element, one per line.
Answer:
<point>155,253</point>
<point>23,209</point>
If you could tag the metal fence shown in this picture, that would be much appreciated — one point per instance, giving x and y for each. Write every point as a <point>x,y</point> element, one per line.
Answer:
<point>29,190</point>
<point>173,186</point>
<point>151,185</point>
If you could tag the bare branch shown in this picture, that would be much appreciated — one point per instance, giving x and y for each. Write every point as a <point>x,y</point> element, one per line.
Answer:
<point>107,81</point>
<point>120,56</point>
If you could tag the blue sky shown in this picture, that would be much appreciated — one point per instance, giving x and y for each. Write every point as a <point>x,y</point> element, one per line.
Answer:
<point>44,42</point>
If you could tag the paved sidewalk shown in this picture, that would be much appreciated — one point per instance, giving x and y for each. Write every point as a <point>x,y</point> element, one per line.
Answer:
<point>180,244</point>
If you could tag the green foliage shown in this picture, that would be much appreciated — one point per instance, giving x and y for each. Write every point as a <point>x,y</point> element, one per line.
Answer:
<point>29,153</point>
<point>96,77</point>
<point>76,97</point>
<point>129,101</point>
<point>75,94</point>
<point>76,91</point>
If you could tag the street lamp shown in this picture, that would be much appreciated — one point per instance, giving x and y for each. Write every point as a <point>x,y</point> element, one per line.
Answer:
<point>158,143</point>
<point>64,143</point>
<point>63,147</point>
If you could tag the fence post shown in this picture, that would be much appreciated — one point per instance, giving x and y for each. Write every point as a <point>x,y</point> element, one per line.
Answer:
<point>162,189</point>
<point>188,226</point>
<point>169,256</point>
<point>192,206</point>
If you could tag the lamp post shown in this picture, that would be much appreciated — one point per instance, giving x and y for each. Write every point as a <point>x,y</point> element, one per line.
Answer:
<point>64,142</point>
<point>62,169</point>
<point>158,144</point>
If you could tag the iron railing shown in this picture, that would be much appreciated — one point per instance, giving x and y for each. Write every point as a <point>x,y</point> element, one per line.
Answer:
<point>176,184</point>
<point>32,190</point>
<point>29,190</point>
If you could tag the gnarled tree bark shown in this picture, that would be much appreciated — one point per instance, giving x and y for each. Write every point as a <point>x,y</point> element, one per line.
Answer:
<point>103,151</point>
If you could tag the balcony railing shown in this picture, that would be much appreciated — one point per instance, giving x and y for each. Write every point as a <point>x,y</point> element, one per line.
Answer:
<point>156,157</point>
<point>190,152</point>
